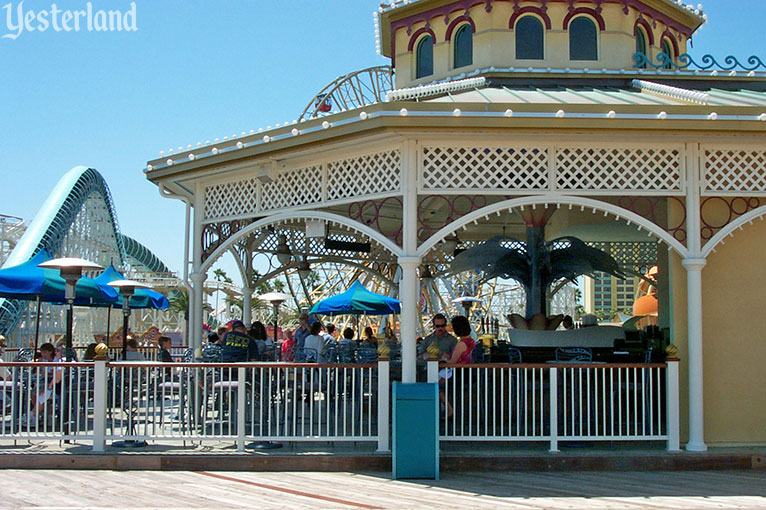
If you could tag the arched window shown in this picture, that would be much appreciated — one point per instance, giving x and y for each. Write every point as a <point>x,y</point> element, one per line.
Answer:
<point>529,38</point>
<point>463,46</point>
<point>641,43</point>
<point>667,49</point>
<point>425,57</point>
<point>583,42</point>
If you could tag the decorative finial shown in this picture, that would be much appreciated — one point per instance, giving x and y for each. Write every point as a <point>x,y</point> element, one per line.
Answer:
<point>101,352</point>
<point>383,351</point>
<point>433,352</point>
<point>671,350</point>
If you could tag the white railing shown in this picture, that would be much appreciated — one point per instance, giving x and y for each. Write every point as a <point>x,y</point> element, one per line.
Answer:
<point>151,401</point>
<point>47,400</point>
<point>109,401</point>
<point>588,402</point>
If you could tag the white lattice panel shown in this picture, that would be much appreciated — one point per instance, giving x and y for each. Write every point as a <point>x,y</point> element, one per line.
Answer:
<point>651,169</point>
<point>292,188</point>
<point>231,198</point>
<point>364,175</point>
<point>739,171</point>
<point>485,168</point>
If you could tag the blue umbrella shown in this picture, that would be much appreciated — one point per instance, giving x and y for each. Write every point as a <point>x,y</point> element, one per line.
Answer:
<point>357,300</point>
<point>142,298</point>
<point>29,282</point>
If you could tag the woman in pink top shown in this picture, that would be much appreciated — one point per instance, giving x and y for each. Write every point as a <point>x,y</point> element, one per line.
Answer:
<point>288,346</point>
<point>461,354</point>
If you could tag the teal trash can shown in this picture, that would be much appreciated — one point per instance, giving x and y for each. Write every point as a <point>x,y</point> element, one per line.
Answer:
<point>415,448</point>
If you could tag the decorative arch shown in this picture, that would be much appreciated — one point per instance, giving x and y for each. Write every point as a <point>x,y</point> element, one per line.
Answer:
<point>456,23</point>
<point>418,34</point>
<point>530,10</point>
<point>641,22</point>
<point>728,230</point>
<point>557,201</point>
<point>587,11</point>
<point>667,35</point>
<point>225,245</point>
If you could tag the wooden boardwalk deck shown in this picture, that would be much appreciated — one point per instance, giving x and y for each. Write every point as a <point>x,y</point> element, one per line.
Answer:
<point>226,490</point>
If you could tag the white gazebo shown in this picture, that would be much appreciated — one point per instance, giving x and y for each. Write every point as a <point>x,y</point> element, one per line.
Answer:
<point>503,115</point>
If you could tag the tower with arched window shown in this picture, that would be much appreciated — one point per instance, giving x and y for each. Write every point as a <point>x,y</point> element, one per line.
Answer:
<point>430,41</point>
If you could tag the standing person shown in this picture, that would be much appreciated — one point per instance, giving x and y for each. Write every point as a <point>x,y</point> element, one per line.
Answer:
<point>315,342</point>
<point>461,354</point>
<point>258,333</point>
<point>164,344</point>
<point>288,346</point>
<point>237,345</point>
<point>441,337</point>
<point>300,335</point>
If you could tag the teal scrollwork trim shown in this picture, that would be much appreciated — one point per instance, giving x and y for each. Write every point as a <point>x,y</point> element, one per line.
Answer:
<point>686,62</point>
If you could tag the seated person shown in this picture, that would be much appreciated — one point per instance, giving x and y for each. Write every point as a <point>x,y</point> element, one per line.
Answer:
<point>348,337</point>
<point>441,337</point>
<point>369,339</point>
<point>164,344</point>
<point>131,351</point>
<point>51,377</point>
<point>90,352</point>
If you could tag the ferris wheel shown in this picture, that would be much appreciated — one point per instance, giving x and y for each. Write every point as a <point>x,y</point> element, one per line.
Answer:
<point>350,91</point>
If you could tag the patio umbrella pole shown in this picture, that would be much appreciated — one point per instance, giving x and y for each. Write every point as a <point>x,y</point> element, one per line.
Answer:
<point>37,321</point>
<point>108,323</point>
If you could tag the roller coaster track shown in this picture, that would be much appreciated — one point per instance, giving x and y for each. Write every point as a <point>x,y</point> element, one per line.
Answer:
<point>77,219</point>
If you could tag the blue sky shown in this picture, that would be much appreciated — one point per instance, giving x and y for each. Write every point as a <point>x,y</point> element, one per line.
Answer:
<point>194,71</point>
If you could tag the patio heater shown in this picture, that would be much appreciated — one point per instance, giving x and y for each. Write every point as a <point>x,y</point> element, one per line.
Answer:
<point>467,303</point>
<point>276,299</point>
<point>71,270</point>
<point>127,289</point>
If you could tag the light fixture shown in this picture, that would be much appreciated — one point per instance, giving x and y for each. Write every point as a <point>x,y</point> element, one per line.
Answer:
<point>127,289</point>
<point>283,251</point>
<point>70,270</point>
<point>450,244</point>
<point>425,275</point>
<point>304,269</point>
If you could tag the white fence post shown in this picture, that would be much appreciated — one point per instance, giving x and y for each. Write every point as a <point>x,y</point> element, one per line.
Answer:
<point>384,398</point>
<point>554,408</point>
<point>241,390</point>
<point>433,371</point>
<point>99,406</point>
<point>672,411</point>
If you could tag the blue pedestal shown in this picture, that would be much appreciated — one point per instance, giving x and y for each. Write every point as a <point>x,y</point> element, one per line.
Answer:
<point>415,442</point>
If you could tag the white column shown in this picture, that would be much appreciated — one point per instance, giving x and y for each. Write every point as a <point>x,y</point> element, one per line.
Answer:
<point>195,309</point>
<point>99,405</point>
<point>693,263</point>
<point>384,398</point>
<point>247,305</point>
<point>694,338</point>
<point>409,286</point>
<point>408,295</point>
<point>672,412</point>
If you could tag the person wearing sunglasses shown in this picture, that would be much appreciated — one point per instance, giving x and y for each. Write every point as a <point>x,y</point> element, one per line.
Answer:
<point>440,336</point>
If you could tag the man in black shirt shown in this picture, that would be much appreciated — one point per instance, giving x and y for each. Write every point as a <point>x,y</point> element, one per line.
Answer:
<point>238,346</point>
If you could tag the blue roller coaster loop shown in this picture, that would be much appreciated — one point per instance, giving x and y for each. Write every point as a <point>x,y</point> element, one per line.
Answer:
<point>51,225</point>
